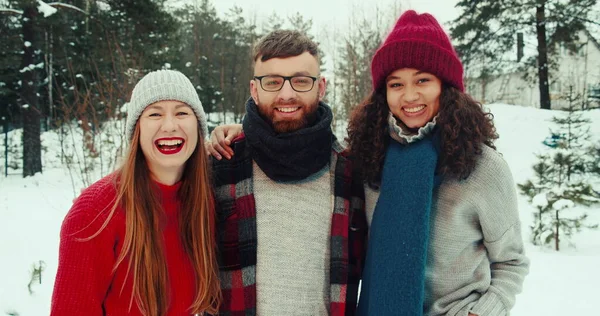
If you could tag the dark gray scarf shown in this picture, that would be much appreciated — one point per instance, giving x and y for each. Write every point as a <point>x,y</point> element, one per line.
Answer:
<point>289,156</point>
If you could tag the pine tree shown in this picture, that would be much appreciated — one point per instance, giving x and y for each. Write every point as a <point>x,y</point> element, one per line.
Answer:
<point>33,22</point>
<point>203,40</point>
<point>485,30</point>
<point>562,180</point>
<point>352,72</point>
<point>32,147</point>
<point>10,57</point>
<point>74,63</point>
<point>595,164</point>
<point>240,35</point>
<point>274,22</point>
<point>533,189</point>
<point>299,23</point>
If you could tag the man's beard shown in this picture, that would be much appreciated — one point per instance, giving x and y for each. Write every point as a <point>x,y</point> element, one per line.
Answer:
<point>309,115</point>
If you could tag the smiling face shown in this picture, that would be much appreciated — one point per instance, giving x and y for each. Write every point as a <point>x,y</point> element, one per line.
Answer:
<point>168,137</point>
<point>288,110</point>
<point>413,96</point>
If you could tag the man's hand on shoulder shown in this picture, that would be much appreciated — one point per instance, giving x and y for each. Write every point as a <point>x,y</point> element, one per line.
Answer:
<point>219,145</point>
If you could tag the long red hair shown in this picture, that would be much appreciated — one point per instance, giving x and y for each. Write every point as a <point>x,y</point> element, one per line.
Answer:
<point>143,245</point>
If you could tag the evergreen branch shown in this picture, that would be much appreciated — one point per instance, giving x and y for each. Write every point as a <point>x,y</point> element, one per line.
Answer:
<point>13,11</point>
<point>585,20</point>
<point>66,6</point>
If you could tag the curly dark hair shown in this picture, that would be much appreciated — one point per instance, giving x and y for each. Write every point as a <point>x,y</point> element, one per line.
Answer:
<point>463,126</point>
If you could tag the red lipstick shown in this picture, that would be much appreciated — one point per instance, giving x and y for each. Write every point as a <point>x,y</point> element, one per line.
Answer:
<point>169,145</point>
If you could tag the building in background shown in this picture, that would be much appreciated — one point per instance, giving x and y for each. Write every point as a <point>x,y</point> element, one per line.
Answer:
<point>576,77</point>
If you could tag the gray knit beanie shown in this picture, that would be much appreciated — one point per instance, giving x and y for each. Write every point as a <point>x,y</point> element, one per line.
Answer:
<point>162,85</point>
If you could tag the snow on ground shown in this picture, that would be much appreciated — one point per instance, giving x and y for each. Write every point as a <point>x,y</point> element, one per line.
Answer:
<point>32,209</point>
<point>563,283</point>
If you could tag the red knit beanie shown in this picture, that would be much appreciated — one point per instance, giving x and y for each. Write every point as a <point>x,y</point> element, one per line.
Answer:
<point>417,41</point>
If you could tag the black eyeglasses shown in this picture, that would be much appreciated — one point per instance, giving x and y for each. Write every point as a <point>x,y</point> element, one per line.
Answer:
<point>274,83</point>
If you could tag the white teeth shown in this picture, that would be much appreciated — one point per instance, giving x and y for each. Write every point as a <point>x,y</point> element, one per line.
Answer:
<point>174,142</point>
<point>287,110</point>
<point>415,109</point>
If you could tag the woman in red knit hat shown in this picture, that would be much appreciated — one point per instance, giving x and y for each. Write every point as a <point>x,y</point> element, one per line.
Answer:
<point>445,236</point>
<point>141,241</point>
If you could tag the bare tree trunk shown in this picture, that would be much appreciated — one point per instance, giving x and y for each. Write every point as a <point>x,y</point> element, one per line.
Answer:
<point>32,149</point>
<point>584,102</point>
<point>222,84</point>
<point>49,59</point>
<point>540,26</point>
<point>556,236</point>
<point>483,87</point>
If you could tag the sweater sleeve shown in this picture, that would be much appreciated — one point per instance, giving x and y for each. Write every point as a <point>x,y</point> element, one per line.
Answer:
<point>84,266</point>
<point>500,224</point>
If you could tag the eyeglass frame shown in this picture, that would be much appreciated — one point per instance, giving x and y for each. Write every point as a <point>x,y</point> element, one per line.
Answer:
<point>286,78</point>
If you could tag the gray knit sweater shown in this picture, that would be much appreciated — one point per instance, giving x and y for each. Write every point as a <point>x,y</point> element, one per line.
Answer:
<point>475,262</point>
<point>293,224</point>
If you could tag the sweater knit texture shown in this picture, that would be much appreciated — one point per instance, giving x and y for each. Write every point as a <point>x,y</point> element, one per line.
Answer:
<point>85,282</point>
<point>476,261</point>
<point>417,41</point>
<point>286,213</point>
<point>238,214</point>
<point>405,200</point>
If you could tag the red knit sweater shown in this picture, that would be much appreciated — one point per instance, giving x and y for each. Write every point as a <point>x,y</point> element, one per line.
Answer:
<point>85,283</point>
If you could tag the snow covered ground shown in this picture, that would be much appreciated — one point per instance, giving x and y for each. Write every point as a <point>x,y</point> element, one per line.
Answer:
<point>559,283</point>
<point>32,209</point>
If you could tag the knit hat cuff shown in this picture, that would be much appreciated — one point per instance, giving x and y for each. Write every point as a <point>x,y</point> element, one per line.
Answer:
<point>419,54</point>
<point>161,87</point>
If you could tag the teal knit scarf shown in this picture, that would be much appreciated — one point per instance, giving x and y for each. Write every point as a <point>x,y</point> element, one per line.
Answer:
<point>394,277</point>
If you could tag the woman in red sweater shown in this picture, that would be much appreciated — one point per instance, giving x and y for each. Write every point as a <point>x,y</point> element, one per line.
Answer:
<point>141,240</point>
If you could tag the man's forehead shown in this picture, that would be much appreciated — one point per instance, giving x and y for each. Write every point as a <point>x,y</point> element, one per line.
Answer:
<point>305,64</point>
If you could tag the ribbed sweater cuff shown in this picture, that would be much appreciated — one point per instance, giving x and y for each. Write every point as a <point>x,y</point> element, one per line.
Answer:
<point>489,304</point>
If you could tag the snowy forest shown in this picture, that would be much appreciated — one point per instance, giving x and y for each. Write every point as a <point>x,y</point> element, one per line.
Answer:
<point>76,61</point>
<point>67,69</point>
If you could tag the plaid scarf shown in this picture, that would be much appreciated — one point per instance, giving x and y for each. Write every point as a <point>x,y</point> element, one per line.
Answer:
<point>237,237</point>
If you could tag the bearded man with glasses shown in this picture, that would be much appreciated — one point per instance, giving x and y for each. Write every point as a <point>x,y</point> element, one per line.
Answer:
<point>291,223</point>
<point>294,107</point>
